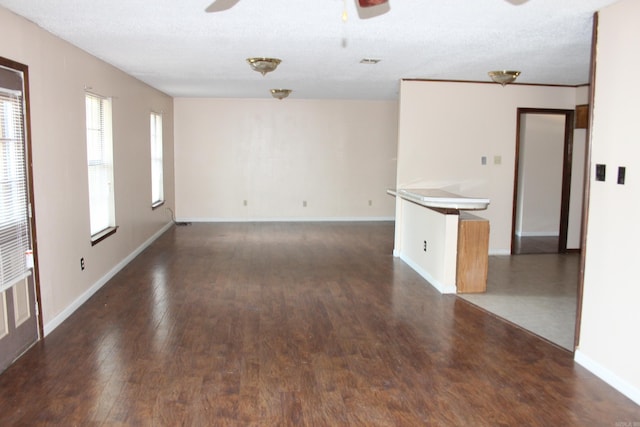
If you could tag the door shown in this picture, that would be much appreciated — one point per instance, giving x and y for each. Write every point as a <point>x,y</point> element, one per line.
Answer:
<point>19,326</point>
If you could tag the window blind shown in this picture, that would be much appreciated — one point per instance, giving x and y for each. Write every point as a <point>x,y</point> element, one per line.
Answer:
<point>14,215</point>
<point>100,163</point>
<point>157,191</point>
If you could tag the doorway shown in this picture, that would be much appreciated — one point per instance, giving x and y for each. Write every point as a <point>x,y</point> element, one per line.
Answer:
<point>19,324</point>
<point>542,181</point>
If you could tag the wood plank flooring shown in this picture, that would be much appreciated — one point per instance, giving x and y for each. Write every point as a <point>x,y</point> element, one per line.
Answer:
<point>293,324</point>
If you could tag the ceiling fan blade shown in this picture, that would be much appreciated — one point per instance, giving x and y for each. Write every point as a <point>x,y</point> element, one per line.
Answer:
<point>372,8</point>
<point>220,5</point>
<point>369,3</point>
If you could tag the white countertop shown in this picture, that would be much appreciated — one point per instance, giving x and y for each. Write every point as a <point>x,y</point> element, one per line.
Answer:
<point>437,198</point>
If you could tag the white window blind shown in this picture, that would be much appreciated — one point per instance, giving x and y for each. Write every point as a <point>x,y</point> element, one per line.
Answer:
<point>100,163</point>
<point>14,216</point>
<point>157,190</point>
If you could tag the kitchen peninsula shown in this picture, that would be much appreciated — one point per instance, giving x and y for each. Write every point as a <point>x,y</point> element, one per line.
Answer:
<point>441,240</point>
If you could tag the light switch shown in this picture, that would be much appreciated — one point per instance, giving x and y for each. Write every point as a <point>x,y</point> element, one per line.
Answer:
<point>601,172</point>
<point>497,160</point>
<point>483,160</point>
<point>621,174</point>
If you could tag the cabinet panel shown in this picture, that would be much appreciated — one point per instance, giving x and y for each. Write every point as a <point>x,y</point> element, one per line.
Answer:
<point>473,254</point>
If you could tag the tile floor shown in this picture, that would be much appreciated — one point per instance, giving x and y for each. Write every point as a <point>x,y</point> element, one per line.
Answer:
<point>536,245</point>
<point>537,292</point>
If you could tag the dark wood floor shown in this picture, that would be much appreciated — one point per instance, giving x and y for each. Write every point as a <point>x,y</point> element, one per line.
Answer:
<point>293,324</point>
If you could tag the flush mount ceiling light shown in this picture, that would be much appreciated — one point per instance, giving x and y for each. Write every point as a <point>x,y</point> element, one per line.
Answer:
<point>369,61</point>
<point>504,76</point>
<point>280,93</point>
<point>263,65</point>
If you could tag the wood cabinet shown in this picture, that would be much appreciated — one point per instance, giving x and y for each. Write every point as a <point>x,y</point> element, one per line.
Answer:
<point>473,253</point>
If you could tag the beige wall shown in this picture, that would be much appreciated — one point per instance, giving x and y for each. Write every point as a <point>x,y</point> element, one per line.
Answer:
<point>578,169</point>
<point>609,340</point>
<point>58,75</point>
<point>540,174</point>
<point>446,127</point>
<point>336,155</point>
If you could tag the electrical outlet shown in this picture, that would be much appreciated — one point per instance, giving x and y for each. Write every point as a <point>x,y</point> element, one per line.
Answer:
<point>82,264</point>
<point>370,203</point>
<point>304,203</point>
<point>245,203</point>
<point>483,160</point>
<point>497,160</point>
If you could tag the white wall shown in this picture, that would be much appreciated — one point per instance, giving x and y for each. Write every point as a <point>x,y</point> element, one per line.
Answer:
<point>609,340</point>
<point>336,155</point>
<point>446,127</point>
<point>428,242</point>
<point>578,169</point>
<point>58,75</point>
<point>540,174</point>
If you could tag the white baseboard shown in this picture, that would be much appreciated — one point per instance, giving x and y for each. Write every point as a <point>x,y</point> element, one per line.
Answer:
<point>441,287</point>
<point>538,234</point>
<point>295,219</point>
<point>62,316</point>
<point>607,376</point>
<point>499,252</point>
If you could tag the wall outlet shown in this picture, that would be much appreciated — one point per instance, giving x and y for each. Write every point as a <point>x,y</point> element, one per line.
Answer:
<point>370,203</point>
<point>245,203</point>
<point>497,160</point>
<point>483,160</point>
<point>304,203</point>
<point>82,264</point>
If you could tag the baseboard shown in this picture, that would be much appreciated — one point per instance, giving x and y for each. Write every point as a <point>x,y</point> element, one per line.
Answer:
<point>538,234</point>
<point>607,376</point>
<point>293,219</point>
<point>62,316</point>
<point>441,287</point>
<point>499,252</point>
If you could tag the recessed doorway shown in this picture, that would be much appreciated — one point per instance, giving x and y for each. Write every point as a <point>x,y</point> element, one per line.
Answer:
<point>542,181</point>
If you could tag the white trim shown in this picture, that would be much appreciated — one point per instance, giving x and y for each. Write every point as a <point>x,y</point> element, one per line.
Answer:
<point>499,252</point>
<point>396,253</point>
<point>62,316</point>
<point>293,219</point>
<point>441,287</point>
<point>538,234</point>
<point>615,381</point>
<point>16,281</point>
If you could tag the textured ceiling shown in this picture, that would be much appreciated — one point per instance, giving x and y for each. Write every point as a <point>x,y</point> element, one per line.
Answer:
<point>178,48</point>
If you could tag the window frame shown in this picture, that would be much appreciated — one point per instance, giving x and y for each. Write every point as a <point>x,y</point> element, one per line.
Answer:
<point>99,157</point>
<point>156,138</point>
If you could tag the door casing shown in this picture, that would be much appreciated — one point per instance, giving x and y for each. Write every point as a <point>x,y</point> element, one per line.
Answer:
<point>566,172</point>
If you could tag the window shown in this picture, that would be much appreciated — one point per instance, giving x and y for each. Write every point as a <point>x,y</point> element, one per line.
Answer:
<point>100,166</point>
<point>157,190</point>
<point>14,218</point>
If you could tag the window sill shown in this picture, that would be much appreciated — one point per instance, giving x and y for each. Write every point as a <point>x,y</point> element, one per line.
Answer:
<point>156,205</point>
<point>99,237</point>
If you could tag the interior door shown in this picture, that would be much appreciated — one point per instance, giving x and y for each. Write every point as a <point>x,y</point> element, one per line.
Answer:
<point>19,326</point>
